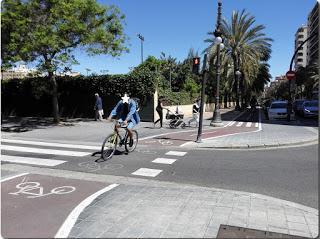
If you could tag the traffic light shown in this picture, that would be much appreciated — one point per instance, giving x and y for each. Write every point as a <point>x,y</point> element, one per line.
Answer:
<point>196,65</point>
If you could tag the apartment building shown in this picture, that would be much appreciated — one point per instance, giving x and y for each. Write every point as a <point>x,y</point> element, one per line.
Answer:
<point>301,56</point>
<point>313,28</point>
<point>19,72</point>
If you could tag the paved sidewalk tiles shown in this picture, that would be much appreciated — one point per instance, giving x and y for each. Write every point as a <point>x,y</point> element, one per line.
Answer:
<point>152,211</point>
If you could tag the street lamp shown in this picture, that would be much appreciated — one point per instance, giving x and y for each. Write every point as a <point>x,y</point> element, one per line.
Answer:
<point>238,75</point>
<point>142,40</point>
<point>216,119</point>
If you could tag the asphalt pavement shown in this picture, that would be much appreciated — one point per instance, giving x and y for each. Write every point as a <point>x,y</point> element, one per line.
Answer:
<point>181,192</point>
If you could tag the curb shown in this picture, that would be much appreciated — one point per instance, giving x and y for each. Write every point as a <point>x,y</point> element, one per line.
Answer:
<point>262,146</point>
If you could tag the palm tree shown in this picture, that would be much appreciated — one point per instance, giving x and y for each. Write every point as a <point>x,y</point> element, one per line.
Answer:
<point>245,44</point>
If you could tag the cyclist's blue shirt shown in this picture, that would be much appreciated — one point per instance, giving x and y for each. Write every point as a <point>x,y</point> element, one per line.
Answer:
<point>132,115</point>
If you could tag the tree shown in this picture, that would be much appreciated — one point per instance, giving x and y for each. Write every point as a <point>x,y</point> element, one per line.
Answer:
<point>47,32</point>
<point>245,44</point>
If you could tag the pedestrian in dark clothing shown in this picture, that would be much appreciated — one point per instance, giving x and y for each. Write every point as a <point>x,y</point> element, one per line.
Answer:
<point>159,109</point>
<point>98,108</point>
<point>195,112</point>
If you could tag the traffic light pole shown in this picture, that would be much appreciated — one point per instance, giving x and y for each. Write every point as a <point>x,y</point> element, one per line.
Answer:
<point>289,106</point>
<point>204,80</point>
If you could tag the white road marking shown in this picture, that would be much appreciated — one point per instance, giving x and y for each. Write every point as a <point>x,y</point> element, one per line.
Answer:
<point>316,131</point>
<point>66,227</point>
<point>260,124</point>
<point>239,124</point>
<point>35,161</point>
<point>249,124</point>
<point>44,151</point>
<point>12,177</point>
<point>256,125</point>
<point>164,160</point>
<point>76,146</point>
<point>176,153</point>
<point>231,123</point>
<point>147,172</point>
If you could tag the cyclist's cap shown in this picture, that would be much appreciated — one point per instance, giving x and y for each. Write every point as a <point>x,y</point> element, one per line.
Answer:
<point>125,98</point>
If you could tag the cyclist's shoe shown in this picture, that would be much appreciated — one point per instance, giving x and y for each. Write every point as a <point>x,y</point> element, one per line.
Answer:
<point>131,143</point>
<point>122,142</point>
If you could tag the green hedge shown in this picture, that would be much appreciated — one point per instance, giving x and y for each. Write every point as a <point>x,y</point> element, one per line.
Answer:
<point>31,96</point>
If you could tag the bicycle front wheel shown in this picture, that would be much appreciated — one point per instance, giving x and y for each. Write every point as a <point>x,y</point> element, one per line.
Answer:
<point>109,146</point>
<point>130,146</point>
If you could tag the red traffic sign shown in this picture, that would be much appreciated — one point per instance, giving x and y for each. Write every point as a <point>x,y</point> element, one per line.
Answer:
<point>290,75</point>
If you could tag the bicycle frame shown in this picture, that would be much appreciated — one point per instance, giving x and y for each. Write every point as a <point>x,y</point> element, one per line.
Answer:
<point>116,132</point>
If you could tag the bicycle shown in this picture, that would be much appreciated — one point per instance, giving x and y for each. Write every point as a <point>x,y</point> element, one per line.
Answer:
<point>115,139</point>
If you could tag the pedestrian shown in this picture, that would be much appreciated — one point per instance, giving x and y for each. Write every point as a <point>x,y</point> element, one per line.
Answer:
<point>195,112</point>
<point>98,108</point>
<point>159,109</point>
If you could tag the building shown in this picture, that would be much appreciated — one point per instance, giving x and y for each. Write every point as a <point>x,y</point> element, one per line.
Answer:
<point>19,72</point>
<point>301,56</point>
<point>313,28</point>
<point>22,71</point>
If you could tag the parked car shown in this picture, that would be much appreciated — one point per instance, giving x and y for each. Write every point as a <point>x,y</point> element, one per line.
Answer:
<point>297,106</point>
<point>278,110</point>
<point>310,108</point>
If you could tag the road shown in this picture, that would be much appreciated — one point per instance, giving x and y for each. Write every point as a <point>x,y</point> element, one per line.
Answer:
<point>289,173</point>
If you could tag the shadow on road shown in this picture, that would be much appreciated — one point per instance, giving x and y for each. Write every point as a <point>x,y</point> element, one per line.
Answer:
<point>23,124</point>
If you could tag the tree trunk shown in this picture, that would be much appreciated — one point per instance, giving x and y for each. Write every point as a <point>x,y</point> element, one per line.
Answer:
<point>225,98</point>
<point>55,104</point>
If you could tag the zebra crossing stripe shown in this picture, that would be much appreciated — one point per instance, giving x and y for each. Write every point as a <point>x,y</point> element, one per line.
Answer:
<point>164,160</point>
<point>239,124</point>
<point>249,124</point>
<point>39,143</point>
<point>256,125</point>
<point>231,123</point>
<point>147,172</point>
<point>44,151</point>
<point>35,161</point>
<point>176,153</point>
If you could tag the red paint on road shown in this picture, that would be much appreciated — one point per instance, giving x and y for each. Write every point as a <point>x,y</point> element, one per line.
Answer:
<point>179,138</point>
<point>24,215</point>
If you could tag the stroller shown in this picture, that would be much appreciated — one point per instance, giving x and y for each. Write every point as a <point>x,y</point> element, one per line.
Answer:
<point>175,119</point>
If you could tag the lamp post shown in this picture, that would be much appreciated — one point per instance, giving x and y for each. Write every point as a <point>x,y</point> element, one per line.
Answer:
<point>142,40</point>
<point>216,119</point>
<point>238,75</point>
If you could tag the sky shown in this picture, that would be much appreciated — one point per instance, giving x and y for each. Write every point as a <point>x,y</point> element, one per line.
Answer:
<point>175,26</point>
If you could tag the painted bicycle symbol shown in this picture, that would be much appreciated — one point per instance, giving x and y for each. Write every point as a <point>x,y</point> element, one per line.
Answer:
<point>34,190</point>
<point>164,142</point>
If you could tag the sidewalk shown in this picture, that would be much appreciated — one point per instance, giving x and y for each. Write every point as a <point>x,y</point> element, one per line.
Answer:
<point>267,135</point>
<point>172,211</point>
<point>89,131</point>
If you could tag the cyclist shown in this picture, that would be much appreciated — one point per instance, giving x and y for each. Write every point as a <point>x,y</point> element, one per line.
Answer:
<point>126,108</point>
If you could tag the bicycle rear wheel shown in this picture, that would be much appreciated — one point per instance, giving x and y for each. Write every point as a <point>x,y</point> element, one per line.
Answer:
<point>130,148</point>
<point>109,146</point>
